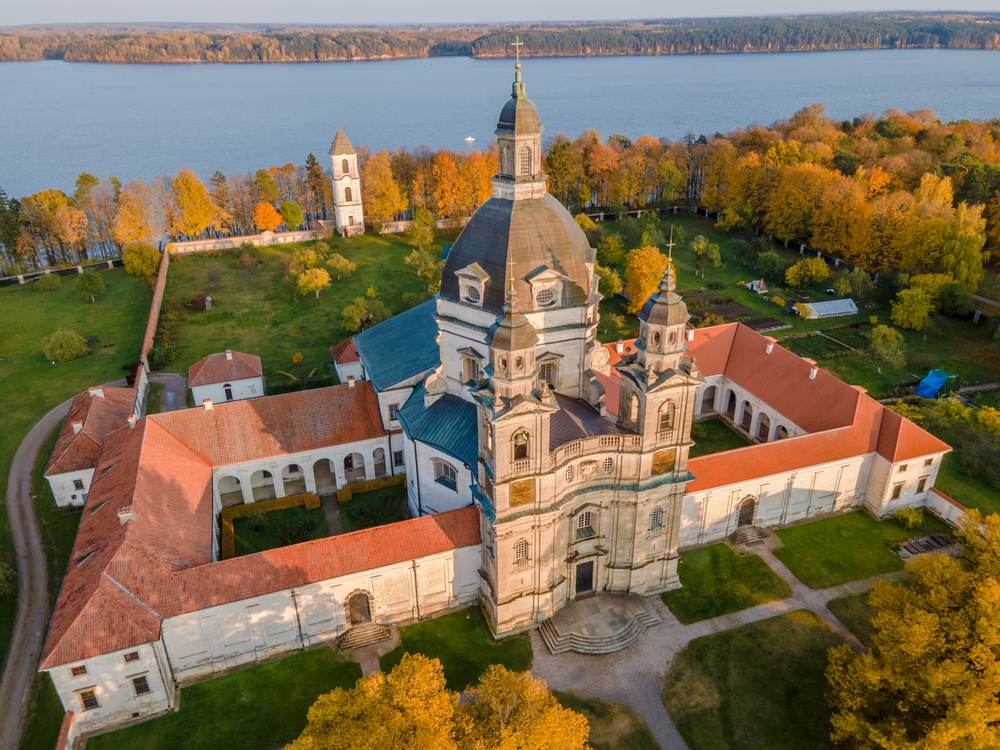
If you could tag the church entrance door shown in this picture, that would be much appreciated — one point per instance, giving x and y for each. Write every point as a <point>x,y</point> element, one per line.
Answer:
<point>747,511</point>
<point>360,609</point>
<point>584,579</point>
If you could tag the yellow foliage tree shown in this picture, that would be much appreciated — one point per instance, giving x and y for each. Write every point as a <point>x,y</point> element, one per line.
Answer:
<point>644,268</point>
<point>266,217</point>
<point>841,223</point>
<point>447,192</point>
<point>312,281</point>
<point>382,195</point>
<point>131,223</point>
<point>792,202</point>
<point>195,210</point>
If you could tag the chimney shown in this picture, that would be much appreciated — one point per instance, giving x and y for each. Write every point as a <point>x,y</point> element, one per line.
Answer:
<point>350,381</point>
<point>96,392</point>
<point>125,514</point>
<point>207,403</point>
<point>812,372</point>
<point>132,420</point>
<point>229,353</point>
<point>619,346</point>
<point>690,334</point>
<point>769,348</point>
<point>77,426</point>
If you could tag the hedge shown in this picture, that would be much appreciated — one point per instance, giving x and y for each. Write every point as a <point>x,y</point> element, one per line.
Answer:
<point>245,510</point>
<point>346,492</point>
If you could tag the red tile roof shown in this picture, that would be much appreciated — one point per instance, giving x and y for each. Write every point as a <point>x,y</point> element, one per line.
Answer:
<point>223,367</point>
<point>345,352</point>
<point>97,416</point>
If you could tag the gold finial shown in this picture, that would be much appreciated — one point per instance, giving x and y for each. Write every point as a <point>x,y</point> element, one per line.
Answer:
<point>517,44</point>
<point>670,245</point>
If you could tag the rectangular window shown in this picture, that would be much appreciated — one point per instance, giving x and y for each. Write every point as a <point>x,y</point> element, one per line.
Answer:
<point>922,484</point>
<point>140,684</point>
<point>132,656</point>
<point>548,373</point>
<point>470,370</point>
<point>77,484</point>
<point>902,468</point>
<point>397,458</point>
<point>78,670</point>
<point>393,411</point>
<point>897,490</point>
<point>928,461</point>
<point>444,473</point>
<point>88,700</point>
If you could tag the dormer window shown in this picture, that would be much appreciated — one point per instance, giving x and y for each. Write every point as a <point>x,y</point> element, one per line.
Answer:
<point>546,287</point>
<point>545,298</point>
<point>473,295</point>
<point>472,282</point>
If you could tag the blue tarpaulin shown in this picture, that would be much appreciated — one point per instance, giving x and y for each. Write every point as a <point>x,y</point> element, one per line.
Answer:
<point>932,383</point>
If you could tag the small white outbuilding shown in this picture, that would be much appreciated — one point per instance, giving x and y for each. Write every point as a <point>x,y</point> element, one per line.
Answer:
<point>226,376</point>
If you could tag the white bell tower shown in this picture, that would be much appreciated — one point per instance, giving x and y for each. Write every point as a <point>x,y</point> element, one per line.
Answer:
<point>348,214</point>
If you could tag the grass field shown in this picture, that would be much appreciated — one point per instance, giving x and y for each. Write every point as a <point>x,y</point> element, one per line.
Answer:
<point>845,547</point>
<point>279,528</point>
<point>715,580</point>
<point>756,687</point>
<point>967,490</point>
<point>854,612</point>
<point>257,708</point>
<point>464,645</point>
<point>374,508</point>
<point>117,318</point>
<point>612,725</point>
<point>713,436</point>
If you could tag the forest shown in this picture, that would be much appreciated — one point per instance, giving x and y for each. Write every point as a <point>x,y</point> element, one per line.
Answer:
<point>657,37</point>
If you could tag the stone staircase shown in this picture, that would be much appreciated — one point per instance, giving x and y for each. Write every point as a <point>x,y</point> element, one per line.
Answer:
<point>749,536</point>
<point>614,631</point>
<point>363,635</point>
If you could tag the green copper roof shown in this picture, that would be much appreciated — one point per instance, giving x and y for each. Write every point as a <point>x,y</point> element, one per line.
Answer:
<point>449,425</point>
<point>401,347</point>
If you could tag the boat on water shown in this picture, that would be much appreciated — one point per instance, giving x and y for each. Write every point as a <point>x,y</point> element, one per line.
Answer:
<point>469,139</point>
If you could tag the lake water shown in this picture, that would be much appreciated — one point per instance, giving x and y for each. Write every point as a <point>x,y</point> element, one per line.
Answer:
<point>140,121</point>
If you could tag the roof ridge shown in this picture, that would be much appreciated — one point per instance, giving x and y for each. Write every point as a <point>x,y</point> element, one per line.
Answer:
<point>130,594</point>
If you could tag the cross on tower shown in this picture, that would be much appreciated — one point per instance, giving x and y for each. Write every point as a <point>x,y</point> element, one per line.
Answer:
<point>517,44</point>
<point>670,245</point>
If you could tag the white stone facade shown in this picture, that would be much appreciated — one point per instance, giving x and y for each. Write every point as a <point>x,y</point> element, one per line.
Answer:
<point>70,488</point>
<point>234,390</point>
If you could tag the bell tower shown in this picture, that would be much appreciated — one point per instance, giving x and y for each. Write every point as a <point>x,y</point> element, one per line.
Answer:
<point>348,213</point>
<point>519,143</point>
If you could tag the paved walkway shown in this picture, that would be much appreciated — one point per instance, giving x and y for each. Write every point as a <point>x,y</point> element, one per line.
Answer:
<point>635,676</point>
<point>32,576</point>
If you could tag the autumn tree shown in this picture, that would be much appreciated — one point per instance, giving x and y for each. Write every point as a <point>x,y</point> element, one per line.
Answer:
<point>420,235</point>
<point>886,346</point>
<point>312,281</point>
<point>132,222</point>
<point>807,272</point>
<point>291,214</point>
<point>265,217</point>
<point>705,252</point>
<point>609,282</point>
<point>340,266</point>
<point>265,186</point>
<point>428,267</point>
<point>53,223</point>
<point>770,265</point>
<point>477,170</point>
<point>793,201</point>
<point>841,222</point>
<point>911,309</point>
<point>302,259</point>
<point>447,191</point>
<point>90,286</point>
<point>644,268</point>
<point>611,249</point>
<point>380,191</point>
<point>195,210</point>
<point>564,168</point>
<point>141,259</point>
<point>364,312</point>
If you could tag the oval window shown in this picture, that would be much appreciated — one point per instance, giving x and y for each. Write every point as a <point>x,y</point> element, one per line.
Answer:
<point>472,294</point>
<point>545,297</point>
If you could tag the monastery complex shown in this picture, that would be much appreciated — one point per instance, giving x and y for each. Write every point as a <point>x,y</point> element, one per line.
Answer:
<point>540,465</point>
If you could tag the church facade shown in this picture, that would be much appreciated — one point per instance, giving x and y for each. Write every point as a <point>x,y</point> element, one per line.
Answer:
<point>541,465</point>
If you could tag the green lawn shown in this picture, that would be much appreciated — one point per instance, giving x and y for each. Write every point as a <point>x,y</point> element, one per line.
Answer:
<point>715,580</point>
<point>464,645</point>
<point>154,401</point>
<point>46,715</point>
<point>279,528</point>
<point>612,725</point>
<point>756,687</point>
<point>714,436</point>
<point>259,312</point>
<point>967,490</point>
<point>257,708</point>
<point>374,508</point>
<point>117,318</point>
<point>846,547</point>
<point>854,612</point>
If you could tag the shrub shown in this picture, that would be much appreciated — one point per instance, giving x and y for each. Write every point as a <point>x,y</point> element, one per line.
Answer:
<point>63,346</point>
<point>49,282</point>
<point>770,265</point>
<point>141,259</point>
<point>807,272</point>
<point>585,223</point>
<point>716,284</point>
<point>779,301</point>
<point>162,354</point>
<point>711,319</point>
<point>196,302</point>
<point>90,286</point>
<point>955,300</point>
<point>911,518</point>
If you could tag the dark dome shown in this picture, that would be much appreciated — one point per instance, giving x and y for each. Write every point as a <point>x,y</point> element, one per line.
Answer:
<point>532,234</point>
<point>520,117</point>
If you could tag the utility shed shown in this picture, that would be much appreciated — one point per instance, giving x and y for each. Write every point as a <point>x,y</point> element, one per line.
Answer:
<point>834,308</point>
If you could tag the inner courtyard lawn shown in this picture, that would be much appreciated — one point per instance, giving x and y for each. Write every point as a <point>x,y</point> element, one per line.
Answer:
<point>854,612</point>
<point>464,645</point>
<point>612,725</point>
<point>279,528</point>
<point>714,436</point>
<point>258,708</point>
<point>846,547</point>
<point>374,508</point>
<point>715,580</point>
<point>756,687</point>
<point>34,385</point>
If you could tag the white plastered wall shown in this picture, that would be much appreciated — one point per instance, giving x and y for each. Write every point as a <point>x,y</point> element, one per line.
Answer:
<point>216,392</point>
<point>64,488</point>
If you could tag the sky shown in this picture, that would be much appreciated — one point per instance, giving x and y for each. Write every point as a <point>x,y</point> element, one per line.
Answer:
<point>428,11</point>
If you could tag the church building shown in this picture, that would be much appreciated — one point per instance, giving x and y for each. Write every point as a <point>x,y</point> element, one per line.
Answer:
<point>541,465</point>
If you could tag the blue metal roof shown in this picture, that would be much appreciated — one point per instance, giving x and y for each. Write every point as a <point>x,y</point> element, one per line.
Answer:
<point>449,425</point>
<point>401,347</point>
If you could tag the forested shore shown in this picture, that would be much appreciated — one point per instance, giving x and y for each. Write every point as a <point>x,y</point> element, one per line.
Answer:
<point>673,37</point>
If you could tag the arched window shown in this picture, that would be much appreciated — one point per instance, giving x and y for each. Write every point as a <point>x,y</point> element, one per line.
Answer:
<point>445,474</point>
<point>656,519</point>
<point>345,167</point>
<point>585,525</point>
<point>524,157</point>
<point>656,338</point>
<point>633,409</point>
<point>506,160</point>
<point>348,194</point>
<point>570,473</point>
<point>667,413</point>
<point>521,445</point>
<point>521,552</point>
<point>608,465</point>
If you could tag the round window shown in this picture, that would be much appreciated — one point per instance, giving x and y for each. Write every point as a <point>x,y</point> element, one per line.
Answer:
<point>472,294</point>
<point>545,297</point>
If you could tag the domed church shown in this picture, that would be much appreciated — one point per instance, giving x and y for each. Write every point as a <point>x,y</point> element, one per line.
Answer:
<point>541,466</point>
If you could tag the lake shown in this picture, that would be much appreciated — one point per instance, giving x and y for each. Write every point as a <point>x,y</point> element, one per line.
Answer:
<point>140,121</point>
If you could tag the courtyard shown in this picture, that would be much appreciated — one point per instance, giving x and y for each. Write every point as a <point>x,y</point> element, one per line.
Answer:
<point>713,436</point>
